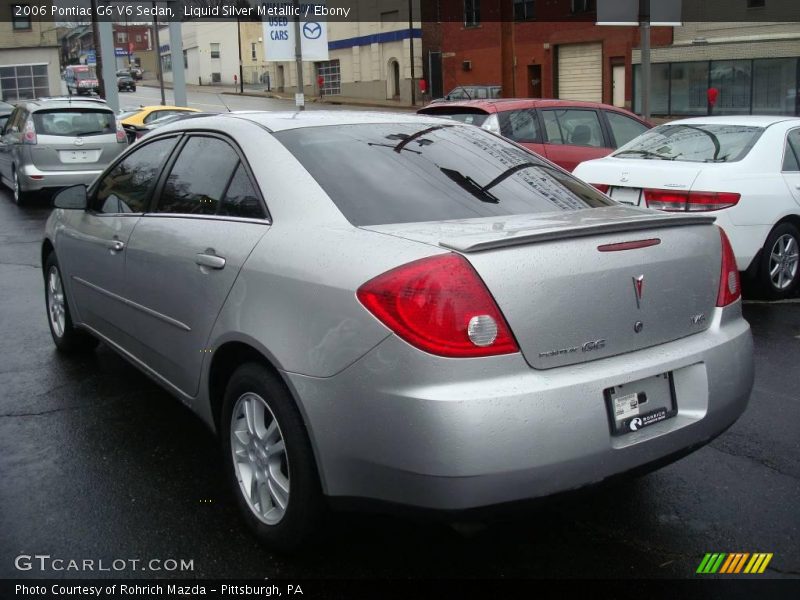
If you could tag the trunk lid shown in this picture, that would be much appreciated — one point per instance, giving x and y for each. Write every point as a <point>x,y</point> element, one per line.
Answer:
<point>567,301</point>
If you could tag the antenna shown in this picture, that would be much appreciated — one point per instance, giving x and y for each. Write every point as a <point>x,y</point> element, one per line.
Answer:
<point>223,102</point>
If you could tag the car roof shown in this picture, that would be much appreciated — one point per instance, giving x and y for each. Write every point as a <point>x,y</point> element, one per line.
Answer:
<point>501,104</point>
<point>753,120</point>
<point>285,120</point>
<point>49,103</point>
<point>163,107</point>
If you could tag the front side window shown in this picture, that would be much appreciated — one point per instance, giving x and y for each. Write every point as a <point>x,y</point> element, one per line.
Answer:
<point>573,127</point>
<point>791,151</point>
<point>414,172</point>
<point>127,187</point>
<point>199,177</point>
<point>623,128</point>
<point>693,143</point>
<point>472,13</point>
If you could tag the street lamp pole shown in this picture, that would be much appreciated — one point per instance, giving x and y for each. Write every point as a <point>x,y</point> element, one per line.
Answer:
<point>159,66</point>
<point>241,69</point>
<point>411,49</point>
<point>644,31</point>
<point>298,58</point>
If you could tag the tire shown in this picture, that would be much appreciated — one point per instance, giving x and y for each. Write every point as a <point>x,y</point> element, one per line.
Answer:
<point>286,477</point>
<point>20,197</point>
<point>67,338</point>
<point>779,270</point>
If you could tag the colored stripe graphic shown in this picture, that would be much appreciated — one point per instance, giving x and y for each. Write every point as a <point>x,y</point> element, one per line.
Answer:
<point>711,563</point>
<point>733,563</point>
<point>759,562</point>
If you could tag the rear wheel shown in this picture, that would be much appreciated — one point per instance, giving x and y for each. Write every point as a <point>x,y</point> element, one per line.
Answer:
<point>66,336</point>
<point>779,271</point>
<point>269,459</point>
<point>20,197</point>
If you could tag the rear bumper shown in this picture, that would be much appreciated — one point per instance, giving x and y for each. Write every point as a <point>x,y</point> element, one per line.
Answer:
<point>32,179</point>
<point>404,427</point>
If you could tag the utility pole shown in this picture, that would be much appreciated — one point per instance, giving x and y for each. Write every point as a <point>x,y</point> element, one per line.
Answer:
<point>241,69</point>
<point>98,56</point>
<point>159,67</point>
<point>299,98</point>
<point>644,34</point>
<point>411,49</point>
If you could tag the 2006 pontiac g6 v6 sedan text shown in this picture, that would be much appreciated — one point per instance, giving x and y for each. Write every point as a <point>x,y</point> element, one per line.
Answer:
<point>398,308</point>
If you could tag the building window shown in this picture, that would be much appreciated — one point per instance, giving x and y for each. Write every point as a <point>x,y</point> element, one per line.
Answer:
<point>331,75</point>
<point>756,3</point>
<point>138,38</point>
<point>185,60</point>
<point>760,86</point>
<point>166,63</point>
<point>214,50</point>
<point>523,10</point>
<point>584,6</point>
<point>23,82</point>
<point>253,54</point>
<point>122,37</point>
<point>20,23</point>
<point>472,13</point>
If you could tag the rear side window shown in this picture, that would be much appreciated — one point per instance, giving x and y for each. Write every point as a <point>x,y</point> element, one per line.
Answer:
<point>791,153</point>
<point>74,122</point>
<point>462,115</point>
<point>573,127</point>
<point>199,177</point>
<point>623,128</point>
<point>414,172</point>
<point>127,187</point>
<point>700,142</point>
<point>241,199</point>
<point>520,125</point>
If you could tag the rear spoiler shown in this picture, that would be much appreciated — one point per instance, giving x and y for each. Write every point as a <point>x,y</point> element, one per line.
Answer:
<point>476,242</point>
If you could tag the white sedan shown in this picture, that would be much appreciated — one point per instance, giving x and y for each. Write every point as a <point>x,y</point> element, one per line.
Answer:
<point>744,169</point>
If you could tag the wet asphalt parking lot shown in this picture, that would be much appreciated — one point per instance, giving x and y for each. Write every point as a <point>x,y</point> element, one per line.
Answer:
<point>98,462</point>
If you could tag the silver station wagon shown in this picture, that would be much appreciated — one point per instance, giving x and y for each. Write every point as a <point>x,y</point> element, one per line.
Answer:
<point>398,308</point>
<point>54,143</point>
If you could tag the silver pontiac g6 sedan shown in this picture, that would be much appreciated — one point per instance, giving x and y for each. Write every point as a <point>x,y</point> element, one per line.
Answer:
<point>400,309</point>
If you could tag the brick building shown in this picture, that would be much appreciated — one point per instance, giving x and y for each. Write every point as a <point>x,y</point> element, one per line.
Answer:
<point>533,49</point>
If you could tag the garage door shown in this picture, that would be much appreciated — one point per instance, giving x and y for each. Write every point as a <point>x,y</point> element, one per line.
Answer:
<point>580,72</point>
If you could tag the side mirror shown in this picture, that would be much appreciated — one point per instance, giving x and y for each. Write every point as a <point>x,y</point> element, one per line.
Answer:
<point>71,198</point>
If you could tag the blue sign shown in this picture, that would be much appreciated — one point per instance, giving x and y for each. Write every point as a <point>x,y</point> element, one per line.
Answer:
<point>312,30</point>
<point>91,58</point>
<point>120,52</point>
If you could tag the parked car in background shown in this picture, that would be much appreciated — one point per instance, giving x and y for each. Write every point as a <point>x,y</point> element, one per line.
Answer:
<point>354,301</point>
<point>137,73</point>
<point>5,111</point>
<point>145,115</point>
<point>53,143</point>
<point>126,83</point>
<point>81,79</point>
<point>472,92</point>
<point>564,131</point>
<point>136,132</point>
<point>743,170</point>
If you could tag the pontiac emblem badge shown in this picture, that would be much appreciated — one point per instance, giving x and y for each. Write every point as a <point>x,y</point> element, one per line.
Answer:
<point>638,288</point>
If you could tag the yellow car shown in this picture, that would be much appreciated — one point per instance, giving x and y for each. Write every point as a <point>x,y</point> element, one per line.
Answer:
<point>147,114</point>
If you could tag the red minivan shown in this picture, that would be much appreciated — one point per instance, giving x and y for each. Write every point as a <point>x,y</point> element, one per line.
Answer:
<point>566,132</point>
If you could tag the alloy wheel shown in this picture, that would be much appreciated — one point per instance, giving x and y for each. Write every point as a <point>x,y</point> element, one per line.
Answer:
<point>259,458</point>
<point>783,261</point>
<point>56,307</point>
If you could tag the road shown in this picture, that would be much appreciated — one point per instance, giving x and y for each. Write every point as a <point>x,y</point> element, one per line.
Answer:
<point>98,462</point>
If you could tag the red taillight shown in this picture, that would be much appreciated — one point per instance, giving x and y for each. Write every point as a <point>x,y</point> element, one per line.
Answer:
<point>29,132</point>
<point>670,200</point>
<point>122,137</point>
<point>730,286</point>
<point>603,187</point>
<point>441,306</point>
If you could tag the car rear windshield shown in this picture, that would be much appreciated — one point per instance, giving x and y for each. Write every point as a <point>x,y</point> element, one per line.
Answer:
<point>470,117</point>
<point>693,143</point>
<point>74,122</point>
<point>378,174</point>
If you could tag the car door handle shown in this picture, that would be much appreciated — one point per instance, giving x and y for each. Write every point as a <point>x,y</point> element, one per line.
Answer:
<point>116,246</point>
<point>212,261</point>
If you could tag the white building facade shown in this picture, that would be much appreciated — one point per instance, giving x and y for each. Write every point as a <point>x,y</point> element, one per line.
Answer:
<point>210,52</point>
